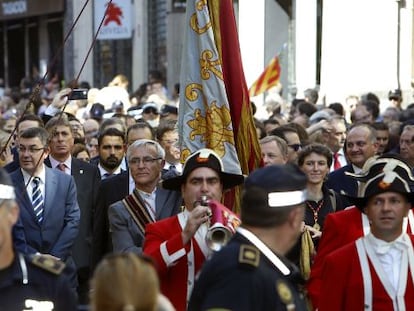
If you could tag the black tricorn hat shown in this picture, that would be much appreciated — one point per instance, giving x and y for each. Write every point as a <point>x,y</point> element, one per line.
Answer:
<point>387,173</point>
<point>203,158</point>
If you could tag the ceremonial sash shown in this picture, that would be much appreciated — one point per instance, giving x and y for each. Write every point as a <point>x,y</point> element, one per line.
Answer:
<point>136,207</point>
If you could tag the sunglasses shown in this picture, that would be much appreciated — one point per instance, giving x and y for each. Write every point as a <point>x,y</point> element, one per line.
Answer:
<point>295,147</point>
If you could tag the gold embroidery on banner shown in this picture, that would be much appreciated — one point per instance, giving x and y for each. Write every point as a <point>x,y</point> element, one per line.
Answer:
<point>201,4</point>
<point>194,21</point>
<point>214,128</point>
<point>192,90</point>
<point>184,154</point>
<point>207,65</point>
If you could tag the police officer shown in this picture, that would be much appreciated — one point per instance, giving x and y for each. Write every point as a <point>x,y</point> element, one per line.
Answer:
<point>27,283</point>
<point>251,273</point>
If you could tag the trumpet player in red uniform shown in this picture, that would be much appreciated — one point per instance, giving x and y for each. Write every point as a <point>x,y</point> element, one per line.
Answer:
<point>178,244</point>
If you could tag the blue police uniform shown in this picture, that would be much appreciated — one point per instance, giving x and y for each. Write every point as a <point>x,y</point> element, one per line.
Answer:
<point>33,282</point>
<point>242,277</point>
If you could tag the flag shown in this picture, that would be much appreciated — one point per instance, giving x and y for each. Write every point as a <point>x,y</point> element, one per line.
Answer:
<point>269,77</point>
<point>215,109</point>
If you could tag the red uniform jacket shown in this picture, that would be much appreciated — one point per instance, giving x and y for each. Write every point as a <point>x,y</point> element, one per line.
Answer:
<point>342,284</point>
<point>340,228</point>
<point>177,264</point>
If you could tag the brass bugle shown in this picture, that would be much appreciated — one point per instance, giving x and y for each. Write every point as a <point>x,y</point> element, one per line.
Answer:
<point>223,224</point>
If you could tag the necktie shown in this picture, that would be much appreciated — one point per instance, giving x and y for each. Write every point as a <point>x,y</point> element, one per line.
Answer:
<point>37,199</point>
<point>337,164</point>
<point>61,167</point>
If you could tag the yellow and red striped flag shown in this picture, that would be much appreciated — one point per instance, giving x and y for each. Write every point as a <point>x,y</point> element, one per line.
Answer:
<point>269,78</point>
<point>214,109</point>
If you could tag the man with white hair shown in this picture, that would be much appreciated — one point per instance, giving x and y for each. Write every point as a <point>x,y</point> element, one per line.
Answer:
<point>147,203</point>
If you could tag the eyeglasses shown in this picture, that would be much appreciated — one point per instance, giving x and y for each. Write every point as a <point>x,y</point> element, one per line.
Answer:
<point>295,147</point>
<point>144,160</point>
<point>31,150</point>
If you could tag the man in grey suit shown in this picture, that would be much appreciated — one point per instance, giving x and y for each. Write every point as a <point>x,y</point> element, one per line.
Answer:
<point>87,180</point>
<point>47,198</point>
<point>148,202</point>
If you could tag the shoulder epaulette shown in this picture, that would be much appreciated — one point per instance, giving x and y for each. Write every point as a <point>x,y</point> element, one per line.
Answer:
<point>249,255</point>
<point>47,263</point>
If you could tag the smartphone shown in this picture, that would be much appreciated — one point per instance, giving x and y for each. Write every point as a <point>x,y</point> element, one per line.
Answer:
<point>78,94</point>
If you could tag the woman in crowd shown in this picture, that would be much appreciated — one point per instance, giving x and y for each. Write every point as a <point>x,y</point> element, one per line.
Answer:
<point>314,160</point>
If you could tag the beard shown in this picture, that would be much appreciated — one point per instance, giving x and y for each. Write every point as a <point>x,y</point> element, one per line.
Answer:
<point>111,162</point>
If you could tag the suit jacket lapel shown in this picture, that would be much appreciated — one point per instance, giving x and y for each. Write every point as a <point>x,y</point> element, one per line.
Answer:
<point>160,200</point>
<point>23,196</point>
<point>50,191</point>
<point>47,162</point>
<point>167,203</point>
<point>75,169</point>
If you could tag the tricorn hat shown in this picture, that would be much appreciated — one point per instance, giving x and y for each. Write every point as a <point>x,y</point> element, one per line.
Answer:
<point>203,158</point>
<point>387,173</point>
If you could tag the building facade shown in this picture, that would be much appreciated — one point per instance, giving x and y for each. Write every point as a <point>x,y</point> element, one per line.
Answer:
<point>31,30</point>
<point>341,47</point>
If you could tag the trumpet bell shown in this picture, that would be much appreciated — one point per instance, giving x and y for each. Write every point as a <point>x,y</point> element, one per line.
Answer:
<point>217,236</point>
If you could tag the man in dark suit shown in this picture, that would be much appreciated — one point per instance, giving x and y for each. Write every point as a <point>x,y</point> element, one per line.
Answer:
<point>112,147</point>
<point>87,181</point>
<point>110,191</point>
<point>148,202</point>
<point>361,144</point>
<point>47,198</point>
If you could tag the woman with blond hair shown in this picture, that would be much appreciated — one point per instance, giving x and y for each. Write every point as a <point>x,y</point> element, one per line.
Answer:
<point>124,282</point>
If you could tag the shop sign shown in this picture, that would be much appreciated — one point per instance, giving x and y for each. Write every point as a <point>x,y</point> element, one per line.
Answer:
<point>15,9</point>
<point>115,18</point>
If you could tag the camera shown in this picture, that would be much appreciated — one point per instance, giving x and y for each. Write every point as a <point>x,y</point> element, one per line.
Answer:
<point>78,94</point>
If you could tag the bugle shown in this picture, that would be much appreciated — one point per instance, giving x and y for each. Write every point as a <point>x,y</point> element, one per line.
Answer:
<point>222,225</point>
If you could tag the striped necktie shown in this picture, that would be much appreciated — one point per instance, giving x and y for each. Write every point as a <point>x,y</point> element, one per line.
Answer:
<point>37,199</point>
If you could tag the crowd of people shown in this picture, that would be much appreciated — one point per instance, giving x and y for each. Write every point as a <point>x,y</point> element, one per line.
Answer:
<point>99,212</point>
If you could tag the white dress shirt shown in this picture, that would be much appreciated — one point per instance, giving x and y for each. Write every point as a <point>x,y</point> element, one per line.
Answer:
<point>389,255</point>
